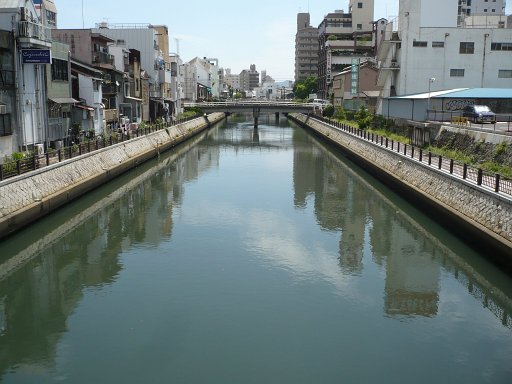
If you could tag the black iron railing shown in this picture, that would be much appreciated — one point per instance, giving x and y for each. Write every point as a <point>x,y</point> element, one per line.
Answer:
<point>493,181</point>
<point>37,161</point>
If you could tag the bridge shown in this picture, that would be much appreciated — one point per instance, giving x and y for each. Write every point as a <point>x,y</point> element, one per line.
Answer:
<point>257,107</point>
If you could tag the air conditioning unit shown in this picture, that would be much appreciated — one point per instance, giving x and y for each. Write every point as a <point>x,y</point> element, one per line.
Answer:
<point>3,109</point>
<point>40,149</point>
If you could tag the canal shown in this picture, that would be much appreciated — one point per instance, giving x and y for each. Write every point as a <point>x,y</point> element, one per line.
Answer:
<point>249,256</point>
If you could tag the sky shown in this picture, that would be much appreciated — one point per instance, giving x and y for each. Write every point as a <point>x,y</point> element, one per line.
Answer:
<point>236,33</point>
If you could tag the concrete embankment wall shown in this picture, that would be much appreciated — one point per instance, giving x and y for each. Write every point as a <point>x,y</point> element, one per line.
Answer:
<point>28,197</point>
<point>481,217</point>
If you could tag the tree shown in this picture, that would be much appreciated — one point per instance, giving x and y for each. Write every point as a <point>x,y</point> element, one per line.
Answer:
<point>304,88</point>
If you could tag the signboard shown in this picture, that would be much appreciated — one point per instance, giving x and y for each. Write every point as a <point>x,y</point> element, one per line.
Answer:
<point>36,56</point>
<point>329,69</point>
<point>354,89</point>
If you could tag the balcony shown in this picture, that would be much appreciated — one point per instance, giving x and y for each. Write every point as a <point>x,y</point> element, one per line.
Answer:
<point>111,115</point>
<point>34,35</point>
<point>340,44</point>
<point>391,38</point>
<point>102,59</point>
<point>155,94</point>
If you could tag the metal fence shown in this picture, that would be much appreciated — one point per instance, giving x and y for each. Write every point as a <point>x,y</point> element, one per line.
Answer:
<point>37,161</point>
<point>477,176</point>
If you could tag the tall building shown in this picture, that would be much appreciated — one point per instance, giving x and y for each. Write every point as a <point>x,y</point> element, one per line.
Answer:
<point>306,48</point>
<point>249,79</point>
<point>427,51</point>
<point>344,38</point>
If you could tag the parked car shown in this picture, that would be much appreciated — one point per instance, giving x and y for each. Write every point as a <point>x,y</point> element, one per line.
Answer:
<point>479,114</point>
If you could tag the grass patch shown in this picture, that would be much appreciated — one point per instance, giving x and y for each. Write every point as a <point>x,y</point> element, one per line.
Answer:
<point>390,135</point>
<point>451,154</point>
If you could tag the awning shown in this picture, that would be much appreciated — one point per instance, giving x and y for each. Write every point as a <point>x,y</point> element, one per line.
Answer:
<point>81,106</point>
<point>63,100</point>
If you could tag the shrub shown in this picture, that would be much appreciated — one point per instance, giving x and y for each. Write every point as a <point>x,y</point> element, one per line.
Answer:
<point>328,111</point>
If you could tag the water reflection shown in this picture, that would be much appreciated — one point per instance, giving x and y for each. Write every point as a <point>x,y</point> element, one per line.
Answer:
<point>345,201</point>
<point>41,284</point>
<point>42,281</point>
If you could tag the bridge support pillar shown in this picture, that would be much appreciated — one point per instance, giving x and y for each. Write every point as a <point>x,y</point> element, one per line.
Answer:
<point>256,115</point>
<point>277,117</point>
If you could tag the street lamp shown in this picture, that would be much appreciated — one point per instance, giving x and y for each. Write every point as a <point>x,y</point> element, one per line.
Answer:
<point>430,81</point>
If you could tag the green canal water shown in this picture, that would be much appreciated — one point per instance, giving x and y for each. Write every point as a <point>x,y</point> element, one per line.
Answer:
<point>249,257</point>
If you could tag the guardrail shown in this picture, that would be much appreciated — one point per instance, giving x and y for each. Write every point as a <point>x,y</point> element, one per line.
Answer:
<point>34,162</point>
<point>490,180</point>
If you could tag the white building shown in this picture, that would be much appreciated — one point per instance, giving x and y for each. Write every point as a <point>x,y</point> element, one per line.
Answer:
<point>177,80</point>
<point>147,38</point>
<point>424,50</point>
<point>25,46</point>
<point>199,79</point>
<point>232,80</point>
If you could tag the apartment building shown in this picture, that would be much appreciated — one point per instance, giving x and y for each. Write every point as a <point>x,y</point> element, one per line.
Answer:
<point>249,78</point>
<point>152,43</point>
<point>344,38</point>
<point>306,48</point>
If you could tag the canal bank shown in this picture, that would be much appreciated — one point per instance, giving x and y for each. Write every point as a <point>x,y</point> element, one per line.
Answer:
<point>28,197</point>
<point>480,216</point>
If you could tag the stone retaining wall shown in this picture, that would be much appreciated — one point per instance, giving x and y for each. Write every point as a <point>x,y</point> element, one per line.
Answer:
<point>483,217</point>
<point>27,197</point>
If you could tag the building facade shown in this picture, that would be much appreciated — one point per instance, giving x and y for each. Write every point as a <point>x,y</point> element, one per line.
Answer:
<point>249,79</point>
<point>25,52</point>
<point>306,48</point>
<point>152,43</point>
<point>343,39</point>
<point>428,52</point>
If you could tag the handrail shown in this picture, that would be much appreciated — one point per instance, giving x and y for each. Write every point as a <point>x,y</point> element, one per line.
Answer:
<point>35,162</point>
<point>490,181</point>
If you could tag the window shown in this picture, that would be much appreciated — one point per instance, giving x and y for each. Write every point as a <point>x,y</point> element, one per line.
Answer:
<point>5,125</point>
<point>505,74</point>
<point>51,17</point>
<point>95,85</point>
<point>60,70</point>
<point>457,72</point>
<point>359,5</point>
<point>359,27</point>
<point>467,47</point>
<point>438,44</point>
<point>419,43</point>
<point>501,46</point>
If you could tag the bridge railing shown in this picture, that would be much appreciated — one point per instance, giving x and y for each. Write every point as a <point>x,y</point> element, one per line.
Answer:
<point>249,103</point>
